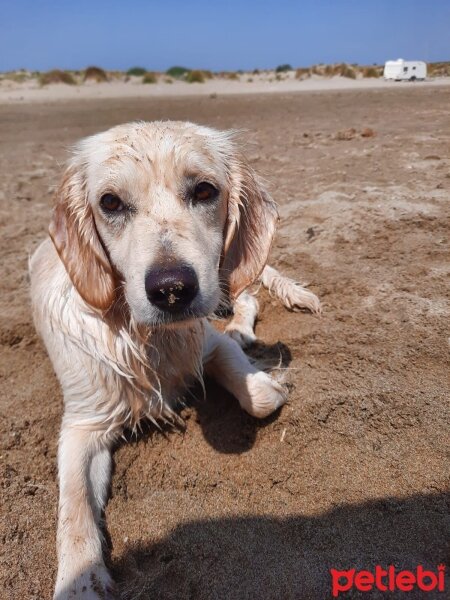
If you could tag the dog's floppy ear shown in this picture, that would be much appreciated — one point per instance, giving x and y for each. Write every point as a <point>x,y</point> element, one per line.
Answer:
<point>74,234</point>
<point>250,227</point>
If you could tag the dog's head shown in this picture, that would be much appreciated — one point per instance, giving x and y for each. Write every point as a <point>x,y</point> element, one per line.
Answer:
<point>168,213</point>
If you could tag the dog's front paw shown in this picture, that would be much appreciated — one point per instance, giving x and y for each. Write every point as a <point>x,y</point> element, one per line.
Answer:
<point>243,335</point>
<point>93,583</point>
<point>264,395</point>
<point>297,297</point>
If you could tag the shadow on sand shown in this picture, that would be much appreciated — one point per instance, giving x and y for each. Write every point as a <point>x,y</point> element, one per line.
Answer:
<point>225,426</point>
<point>257,558</point>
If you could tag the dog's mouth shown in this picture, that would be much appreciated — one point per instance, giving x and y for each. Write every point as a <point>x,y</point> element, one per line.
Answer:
<point>182,317</point>
<point>177,320</point>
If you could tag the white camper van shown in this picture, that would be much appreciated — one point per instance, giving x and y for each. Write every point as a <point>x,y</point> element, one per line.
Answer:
<point>405,70</point>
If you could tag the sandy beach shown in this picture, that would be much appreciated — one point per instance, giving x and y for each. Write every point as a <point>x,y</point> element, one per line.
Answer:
<point>353,471</point>
<point>31,91</point>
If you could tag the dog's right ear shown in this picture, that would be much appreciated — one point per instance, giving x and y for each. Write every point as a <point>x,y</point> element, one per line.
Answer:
<point>74,234</point>
<point>250,228</point>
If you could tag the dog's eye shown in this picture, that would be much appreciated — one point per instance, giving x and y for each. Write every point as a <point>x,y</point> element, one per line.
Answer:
<point>111,203</point>
<point>205,191</point>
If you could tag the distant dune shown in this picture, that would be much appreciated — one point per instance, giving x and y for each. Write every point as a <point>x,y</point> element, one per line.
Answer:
<point>94,82</point>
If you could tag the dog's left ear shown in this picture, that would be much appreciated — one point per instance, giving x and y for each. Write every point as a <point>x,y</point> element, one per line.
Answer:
<point>74,234</point>
<point>250,228</point>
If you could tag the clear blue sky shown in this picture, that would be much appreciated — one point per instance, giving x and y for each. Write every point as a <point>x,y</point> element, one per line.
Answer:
<point>219,35</point>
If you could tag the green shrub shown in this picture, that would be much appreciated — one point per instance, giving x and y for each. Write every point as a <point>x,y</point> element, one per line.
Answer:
<point>195,76</point>
<point>56,76</point>
<point>371,72</point>
<point>95,74</point>
<point>177,72</point>
<point>344,70</point>
<point>283,68</point>
<point>150,77</point>
<point>17,76</point>
<point>348,72</point>
<point>137,71</point>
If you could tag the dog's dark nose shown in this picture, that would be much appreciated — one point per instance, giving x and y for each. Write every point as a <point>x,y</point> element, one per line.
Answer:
<point>171,290</point>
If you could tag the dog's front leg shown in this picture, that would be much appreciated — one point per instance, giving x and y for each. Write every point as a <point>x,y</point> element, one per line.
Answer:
<point>257,392</point>
<point>241,326</point>
<point>84,462</point>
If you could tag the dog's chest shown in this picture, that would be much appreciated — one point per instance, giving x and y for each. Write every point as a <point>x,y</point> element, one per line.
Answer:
<point>173,361</point>
<point>175,357</point>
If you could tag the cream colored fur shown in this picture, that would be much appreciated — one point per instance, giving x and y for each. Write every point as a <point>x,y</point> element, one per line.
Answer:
<point>117,362</point>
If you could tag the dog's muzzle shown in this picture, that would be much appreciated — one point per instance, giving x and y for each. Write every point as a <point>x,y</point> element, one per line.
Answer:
<point>171,290</point>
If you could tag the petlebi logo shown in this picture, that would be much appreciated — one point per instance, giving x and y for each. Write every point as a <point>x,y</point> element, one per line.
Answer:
<point>387,580</point>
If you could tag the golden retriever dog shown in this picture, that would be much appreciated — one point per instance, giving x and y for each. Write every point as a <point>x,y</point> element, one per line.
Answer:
<point>155,226</point>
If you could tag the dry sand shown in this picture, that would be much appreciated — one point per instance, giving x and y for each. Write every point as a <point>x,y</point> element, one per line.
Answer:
<point>353,472</point>
<point>30,91</point>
